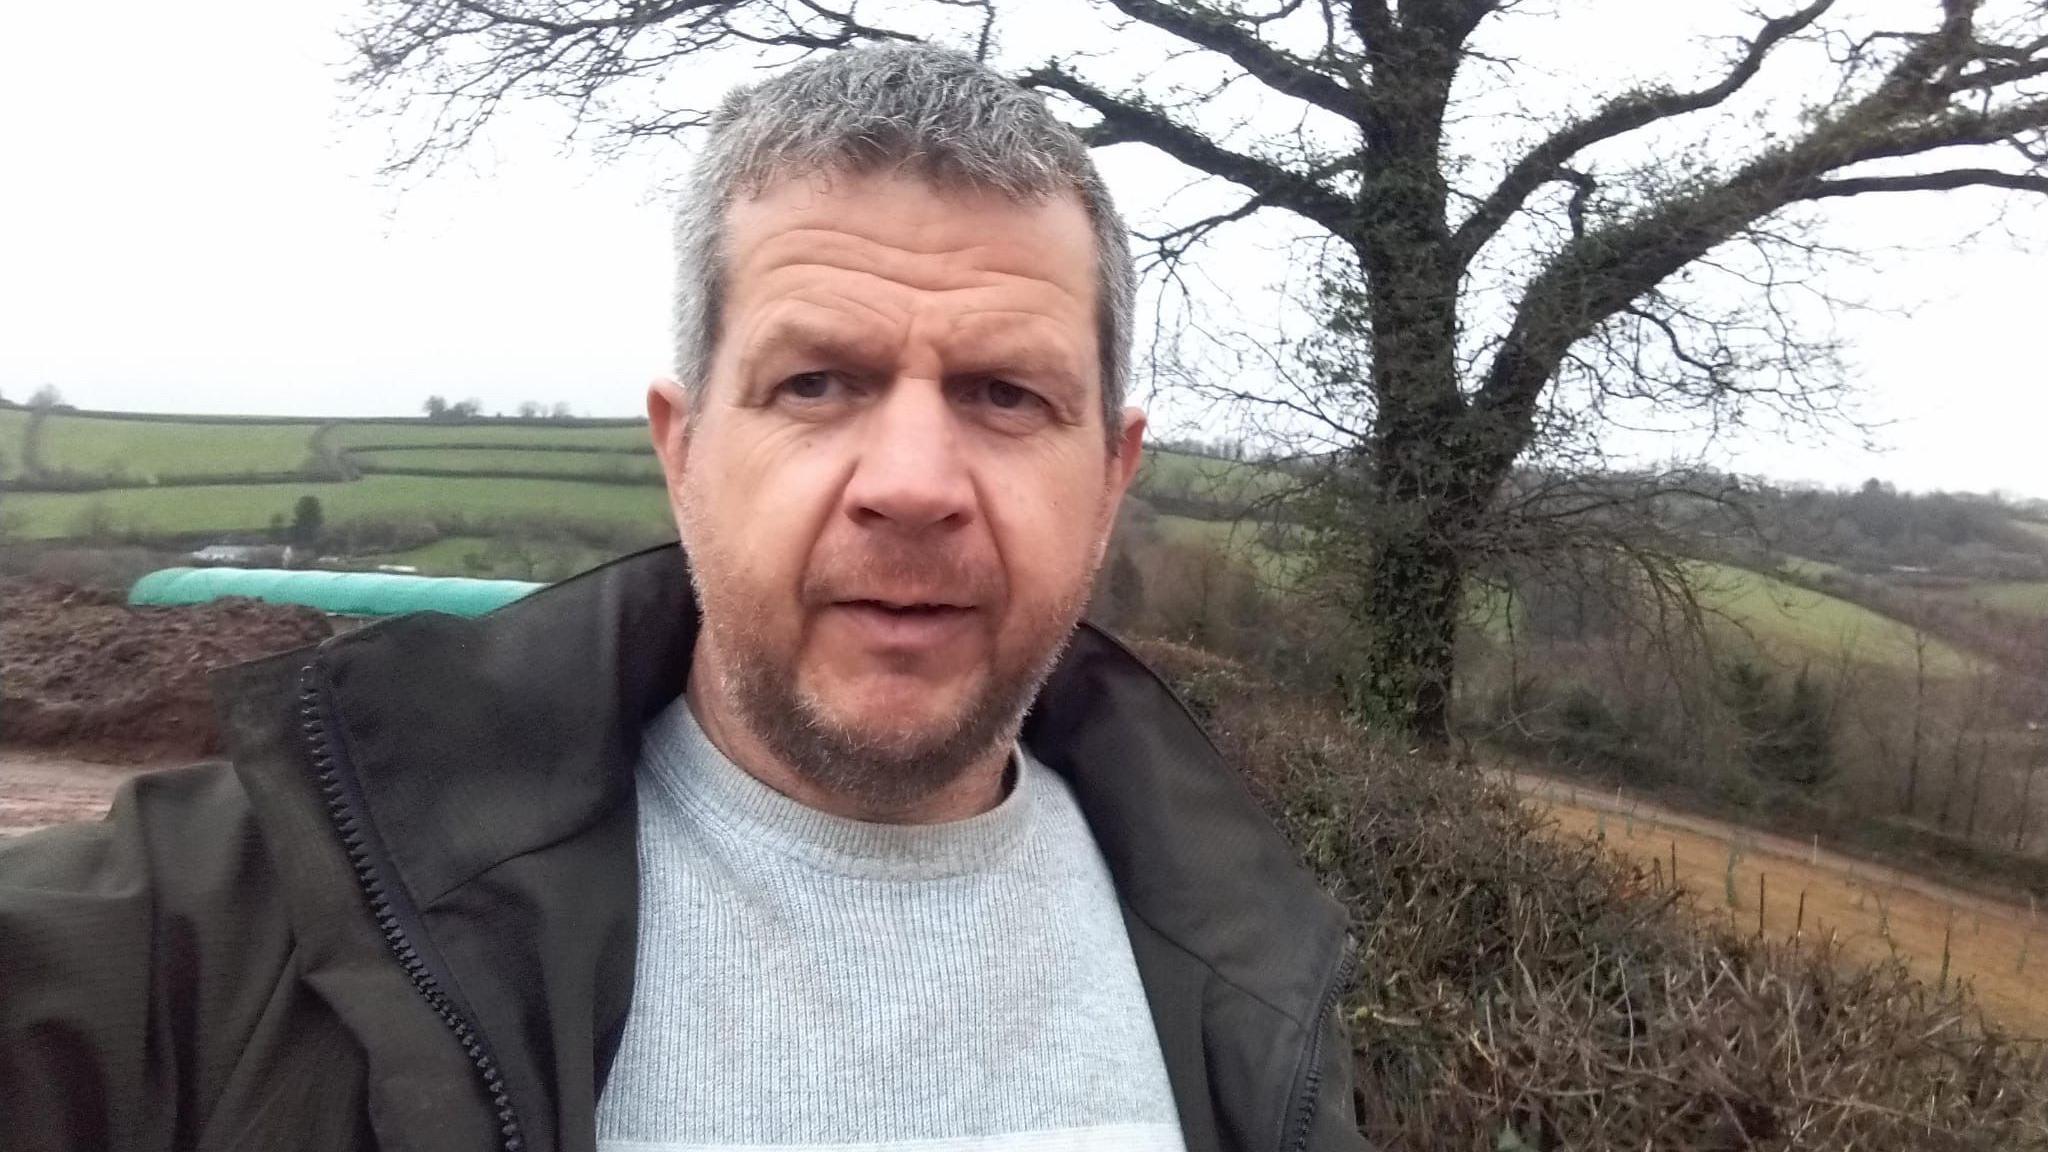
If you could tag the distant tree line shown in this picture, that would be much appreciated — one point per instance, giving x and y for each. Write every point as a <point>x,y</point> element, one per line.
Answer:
<point>1877,528</point>
<point>439,408</point>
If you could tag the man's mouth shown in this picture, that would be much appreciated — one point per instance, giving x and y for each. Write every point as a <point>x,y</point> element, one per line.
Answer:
<point>906,625</point>
<point>911,607</point>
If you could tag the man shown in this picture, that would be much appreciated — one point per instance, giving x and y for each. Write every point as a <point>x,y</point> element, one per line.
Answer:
<point>843,835</point>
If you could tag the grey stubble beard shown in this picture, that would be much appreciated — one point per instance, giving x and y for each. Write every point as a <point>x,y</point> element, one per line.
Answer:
<point>880,777</point>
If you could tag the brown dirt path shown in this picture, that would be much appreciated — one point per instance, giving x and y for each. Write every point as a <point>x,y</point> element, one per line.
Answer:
<point>1998,948</point>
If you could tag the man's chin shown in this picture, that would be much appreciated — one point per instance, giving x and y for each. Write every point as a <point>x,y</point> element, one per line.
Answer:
<point>892,724</point>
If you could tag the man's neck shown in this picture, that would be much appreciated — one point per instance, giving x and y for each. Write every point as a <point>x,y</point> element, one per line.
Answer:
<point>974,791</point>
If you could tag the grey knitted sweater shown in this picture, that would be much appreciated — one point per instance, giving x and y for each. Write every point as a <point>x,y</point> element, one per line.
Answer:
<point>810,982</point>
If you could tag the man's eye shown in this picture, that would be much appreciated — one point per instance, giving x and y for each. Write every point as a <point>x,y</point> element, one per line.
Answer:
<point>1004,394</point>
<point>808,385</point>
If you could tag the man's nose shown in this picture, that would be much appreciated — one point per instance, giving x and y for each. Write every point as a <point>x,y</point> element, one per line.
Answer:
<point>911,473</point>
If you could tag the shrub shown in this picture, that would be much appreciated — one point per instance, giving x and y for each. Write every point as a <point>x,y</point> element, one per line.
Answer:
<point>1790,734</point>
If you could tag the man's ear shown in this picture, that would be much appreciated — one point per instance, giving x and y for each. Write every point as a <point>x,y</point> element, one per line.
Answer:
<point>668,423</point>
<point>1130,445</point>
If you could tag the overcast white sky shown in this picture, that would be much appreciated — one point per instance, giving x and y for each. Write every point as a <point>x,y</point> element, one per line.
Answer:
<point>188,223</point>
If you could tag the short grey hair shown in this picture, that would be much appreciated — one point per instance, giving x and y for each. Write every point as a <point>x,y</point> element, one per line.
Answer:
<point>928,111</point>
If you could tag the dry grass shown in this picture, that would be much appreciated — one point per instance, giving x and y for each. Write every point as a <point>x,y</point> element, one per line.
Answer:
<point>1520,990</point>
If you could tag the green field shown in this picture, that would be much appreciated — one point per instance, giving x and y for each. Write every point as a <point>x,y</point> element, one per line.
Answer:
<point>144,451</point>
<point>250,507</point>
<point>1794,625</point>
<point>150,450</point>
<point>13,423</point>
<point>512,433</point>
<point>1206,478</point>
<point>1789,624</point>
<point>1815,570</point>
<point>533,462</point>
<point>2025,598</point>
<point>1236,538</point>
<point>483,557</point>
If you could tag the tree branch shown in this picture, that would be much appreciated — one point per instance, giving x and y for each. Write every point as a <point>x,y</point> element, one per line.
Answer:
<point>1929,182</point>
<point>1216,31</point>
<point>1129,120</point>
<point>1624,114</point>
<point>1599,274</point>
<point>1372,21</point>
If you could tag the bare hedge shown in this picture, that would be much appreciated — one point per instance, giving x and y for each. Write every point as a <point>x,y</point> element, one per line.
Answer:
<point>1520,990</point>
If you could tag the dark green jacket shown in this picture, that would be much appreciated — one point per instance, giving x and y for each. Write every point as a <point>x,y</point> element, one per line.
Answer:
<point>402,917</point>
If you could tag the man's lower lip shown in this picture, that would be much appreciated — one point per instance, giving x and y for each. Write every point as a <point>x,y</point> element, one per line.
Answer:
<point>917,629</point>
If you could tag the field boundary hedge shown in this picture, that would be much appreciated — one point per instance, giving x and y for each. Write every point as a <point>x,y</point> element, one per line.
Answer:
<point>621,479</point>
<point>64,481</point>
<point>474,446</point>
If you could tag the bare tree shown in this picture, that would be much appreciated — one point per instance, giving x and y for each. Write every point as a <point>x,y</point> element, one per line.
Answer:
<point>1483,298</point>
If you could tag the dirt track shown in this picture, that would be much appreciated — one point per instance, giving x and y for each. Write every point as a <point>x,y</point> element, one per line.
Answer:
<point>1870,910</point>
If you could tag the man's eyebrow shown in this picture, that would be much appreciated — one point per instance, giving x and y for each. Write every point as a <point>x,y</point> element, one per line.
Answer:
<point>808,335</point>
<point>989,347</point>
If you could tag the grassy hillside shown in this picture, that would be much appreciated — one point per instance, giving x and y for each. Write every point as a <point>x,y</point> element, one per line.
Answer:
<point>12,422</point>
<point>1786,623</point>
<point>2017,597</point>
<point>250,507</point>
<point>1236,538</point>
<point>1177,475</point>
<point>1794,625</point>
<point>534,461</point>
<point>497,559</point>
<point>147,450</point>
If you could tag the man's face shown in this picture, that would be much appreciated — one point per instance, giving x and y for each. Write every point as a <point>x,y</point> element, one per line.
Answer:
<point>897,489</point>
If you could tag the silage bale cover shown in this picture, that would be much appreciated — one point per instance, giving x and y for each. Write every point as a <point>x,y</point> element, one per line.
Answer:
<point>337,593</point>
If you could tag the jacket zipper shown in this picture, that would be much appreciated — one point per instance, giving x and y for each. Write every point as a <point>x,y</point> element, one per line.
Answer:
<point>389,905</point>
<point>1312,1079</point>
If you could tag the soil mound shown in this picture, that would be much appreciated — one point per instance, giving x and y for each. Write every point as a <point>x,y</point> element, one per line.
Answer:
<point>85,675</point>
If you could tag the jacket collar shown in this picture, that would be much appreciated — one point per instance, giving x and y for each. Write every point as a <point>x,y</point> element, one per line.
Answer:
<point>488,742</point>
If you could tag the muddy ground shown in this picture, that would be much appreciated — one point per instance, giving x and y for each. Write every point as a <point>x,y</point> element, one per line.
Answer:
<point>85,677</point>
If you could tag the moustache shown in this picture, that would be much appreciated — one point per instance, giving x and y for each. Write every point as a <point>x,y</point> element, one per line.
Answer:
<point>903,575</point>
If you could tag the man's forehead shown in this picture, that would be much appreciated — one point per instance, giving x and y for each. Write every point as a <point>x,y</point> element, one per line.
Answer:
<point>884,213</point>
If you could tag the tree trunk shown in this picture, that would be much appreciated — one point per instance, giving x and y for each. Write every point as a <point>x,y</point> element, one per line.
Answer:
<point>1912,802</point>
<point>1411,610</point>
<point>1976,787</point>
<point>1955,776</point>
<point>2019,836</point>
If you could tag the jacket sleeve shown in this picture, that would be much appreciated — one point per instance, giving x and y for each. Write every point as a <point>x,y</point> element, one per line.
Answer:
<point>135,956</point>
